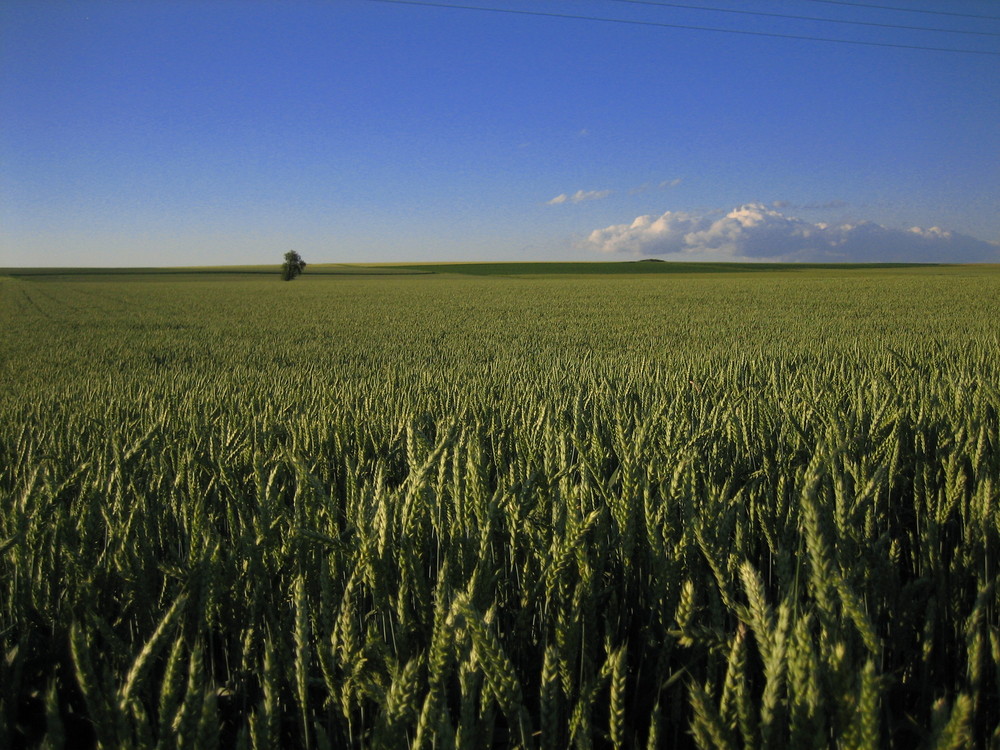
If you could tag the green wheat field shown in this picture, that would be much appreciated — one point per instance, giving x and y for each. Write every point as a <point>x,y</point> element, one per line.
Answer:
<point>618,505</point>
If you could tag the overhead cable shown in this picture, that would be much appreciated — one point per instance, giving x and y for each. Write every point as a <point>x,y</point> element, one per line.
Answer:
<point>906,10</point>
<point>804,18</point>
<point>688,27</point>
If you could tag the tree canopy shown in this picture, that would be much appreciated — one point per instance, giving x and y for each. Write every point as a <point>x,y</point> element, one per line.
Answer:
<point>293,266</point>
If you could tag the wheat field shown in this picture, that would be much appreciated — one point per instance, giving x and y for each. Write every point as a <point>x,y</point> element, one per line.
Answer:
<point>436,510</point>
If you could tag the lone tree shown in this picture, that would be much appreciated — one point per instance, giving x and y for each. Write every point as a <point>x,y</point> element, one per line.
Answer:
<point>293,266</point>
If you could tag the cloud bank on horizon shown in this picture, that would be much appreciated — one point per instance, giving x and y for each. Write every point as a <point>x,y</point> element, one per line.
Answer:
<point>755,232</point>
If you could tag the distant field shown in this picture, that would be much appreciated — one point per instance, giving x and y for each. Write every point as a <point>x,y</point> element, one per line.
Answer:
<point>497,505</point>
<point>214,272</point>
<point>465,269</point>
<point>634,267</point>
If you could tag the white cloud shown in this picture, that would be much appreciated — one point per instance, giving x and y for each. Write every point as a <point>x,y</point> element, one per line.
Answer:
<point>579,196</point>
<point>756,232</point>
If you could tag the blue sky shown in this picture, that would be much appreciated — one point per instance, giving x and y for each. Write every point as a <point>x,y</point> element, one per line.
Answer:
<point>196,132</point>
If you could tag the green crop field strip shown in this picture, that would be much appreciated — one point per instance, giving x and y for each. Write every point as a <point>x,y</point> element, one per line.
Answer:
<point>485,505</point>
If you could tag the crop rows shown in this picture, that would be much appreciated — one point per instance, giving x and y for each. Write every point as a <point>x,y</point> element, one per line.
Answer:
<point>746,511</point>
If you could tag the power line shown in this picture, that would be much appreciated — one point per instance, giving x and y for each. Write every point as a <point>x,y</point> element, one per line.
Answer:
<point>660,24</point>
<point>906,10</point>
<point>804,18</point>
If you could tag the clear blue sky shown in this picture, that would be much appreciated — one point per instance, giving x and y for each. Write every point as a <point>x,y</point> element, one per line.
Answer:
<point>216,132</point>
